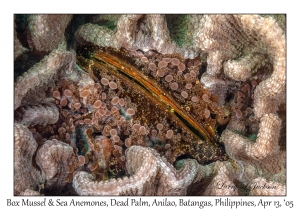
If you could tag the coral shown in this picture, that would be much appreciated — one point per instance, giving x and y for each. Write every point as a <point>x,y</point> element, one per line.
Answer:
<point>242,69</point>
<point>28,192</point>
<point>266,143</point>
<point>150,168</point>
<point>99,35</point>
<point>280,19</point>
<point>37,114</point>
<point>265,152</point>
<point>242,47</point>
<point>26,175</point>
<point>203,93</point>
<point>241,44</point>
<point>221,184</point>
<point>36,78</point>
<point>57,161</point>
<point>144,32</point>
<point>46,32</point>
<point>260,159</point>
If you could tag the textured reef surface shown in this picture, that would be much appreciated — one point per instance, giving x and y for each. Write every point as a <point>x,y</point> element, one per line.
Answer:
<point>149,104</point>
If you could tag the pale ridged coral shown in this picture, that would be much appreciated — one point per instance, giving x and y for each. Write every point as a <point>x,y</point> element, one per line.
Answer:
<point>269,91</point>
<point>222,183</point>
<point>244,178</point>
<point>266,143</point>
<point>127,25</point>
<point>144,171</point>
<point>264,153</point>
<point>57,161</point>
<point>98,35</point>
<point>241,44</point>
<point>26,176</point>
<point>280,20</point>
<point>242,69</point>
<point>182,29</point>
<point>224,38</point>
<point>29,192</point>
<point>260,159</point>
<point>42,74</point>
<point>241,47</point>
<point>46,32</point>
<point>145,32</point>
<point>37,114</point>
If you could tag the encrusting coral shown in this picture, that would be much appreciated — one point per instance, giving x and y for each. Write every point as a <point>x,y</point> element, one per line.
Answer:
<point>58,161</point>
<point>240,45</point>
<point>37,114</point>
<point>144,32</point>
<point>26,176</point>
<point>31,83</point>
<point>150,168</point>
<point>46,31</point>
<point>221,184</point>
<point>155,105</point>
